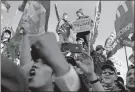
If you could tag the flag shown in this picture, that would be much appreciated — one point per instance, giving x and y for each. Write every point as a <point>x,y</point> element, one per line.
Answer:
<point>124,23</point>
<point>96,22</point>
<point>35,14</point>
<point>124,26</point>
<point>111,45</point>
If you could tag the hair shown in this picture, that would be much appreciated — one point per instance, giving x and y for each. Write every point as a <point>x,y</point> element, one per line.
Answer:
<point>65,14</point>
<point>34,53</point>
<point>6,31</point>
<point>109,62</point>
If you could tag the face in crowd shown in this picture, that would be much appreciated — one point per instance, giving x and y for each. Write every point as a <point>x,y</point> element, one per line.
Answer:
<point>40,75</point>
<point>65,16</point>
<point>100,51</point>
<point>6,35</point>
<point>130,81</point>
<point>108,76</point>
<point>79,13</point>
<point>80,41</point>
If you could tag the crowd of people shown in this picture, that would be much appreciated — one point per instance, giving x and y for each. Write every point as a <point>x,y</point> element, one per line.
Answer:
<point>49,65</point>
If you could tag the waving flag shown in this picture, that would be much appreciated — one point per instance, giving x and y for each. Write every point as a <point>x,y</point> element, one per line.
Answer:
<point>124,23</point>
<point>96,22</point>
<point>124,26</point>
<point>35,15</point>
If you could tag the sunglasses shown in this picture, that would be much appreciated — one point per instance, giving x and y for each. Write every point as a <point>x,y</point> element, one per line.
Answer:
<point>110,73</point>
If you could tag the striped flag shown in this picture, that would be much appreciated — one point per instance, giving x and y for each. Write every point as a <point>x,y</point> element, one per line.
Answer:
<point>124,23</point>
<point>96,22</point>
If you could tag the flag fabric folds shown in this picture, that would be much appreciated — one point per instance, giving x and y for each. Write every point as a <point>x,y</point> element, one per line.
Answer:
<point>96,21</point>
<point>124,27</point>
<point>124,23</point>
<point>35,14</point>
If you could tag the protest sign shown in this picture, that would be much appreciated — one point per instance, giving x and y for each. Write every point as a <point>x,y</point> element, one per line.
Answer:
<point>82,25</point>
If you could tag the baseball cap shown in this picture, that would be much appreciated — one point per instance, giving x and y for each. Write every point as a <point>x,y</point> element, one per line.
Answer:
<point>79,11</point>
<point>107,66</point>
<point>99,47</point>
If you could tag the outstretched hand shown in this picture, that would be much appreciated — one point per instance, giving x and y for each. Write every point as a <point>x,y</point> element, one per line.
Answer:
<point>86,65</point>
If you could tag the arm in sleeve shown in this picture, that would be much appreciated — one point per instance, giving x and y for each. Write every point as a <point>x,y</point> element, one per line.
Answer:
<point>69,81</point>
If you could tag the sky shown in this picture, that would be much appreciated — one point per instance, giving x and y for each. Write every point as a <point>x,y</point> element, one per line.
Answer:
<point>106,25</point>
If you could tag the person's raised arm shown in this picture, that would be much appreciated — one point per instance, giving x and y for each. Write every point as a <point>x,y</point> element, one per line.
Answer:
<point>49,51</point>
<point>87,67</point>
<point>66,77</point>
<point>25,56</point>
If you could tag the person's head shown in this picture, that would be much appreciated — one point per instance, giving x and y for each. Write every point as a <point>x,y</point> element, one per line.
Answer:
<point>40,75</point>
<point>79,13</point>
<point>108,75</point>
<point>99,49</point>
<point>130,81</point>
<point>65,16</point>
<point>80,41</point>
<point>6,35</point>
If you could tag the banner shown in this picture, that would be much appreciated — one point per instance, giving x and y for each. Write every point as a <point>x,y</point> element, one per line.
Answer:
<point>96,22</point>
<point>124,23</point>
<point>82,25</point>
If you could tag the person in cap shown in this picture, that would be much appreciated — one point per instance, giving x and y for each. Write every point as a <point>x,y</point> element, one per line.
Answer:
<point>108,78</point>
<point>99,58</point>
<point>84,35</point>
<point>64,29</point>
<point>99,49</point>
<point>130,79</point>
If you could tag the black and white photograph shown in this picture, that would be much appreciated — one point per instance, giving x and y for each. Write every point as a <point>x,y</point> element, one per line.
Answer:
<point>65,45</point>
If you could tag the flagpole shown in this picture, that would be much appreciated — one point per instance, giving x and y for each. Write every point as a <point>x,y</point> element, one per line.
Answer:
<point>126,55</point>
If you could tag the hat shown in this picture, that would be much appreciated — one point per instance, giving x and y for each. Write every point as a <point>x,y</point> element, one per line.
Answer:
<point>79,11</point>
<point>107,66</point>
<point>12,77</point>
<point>99,47</point>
